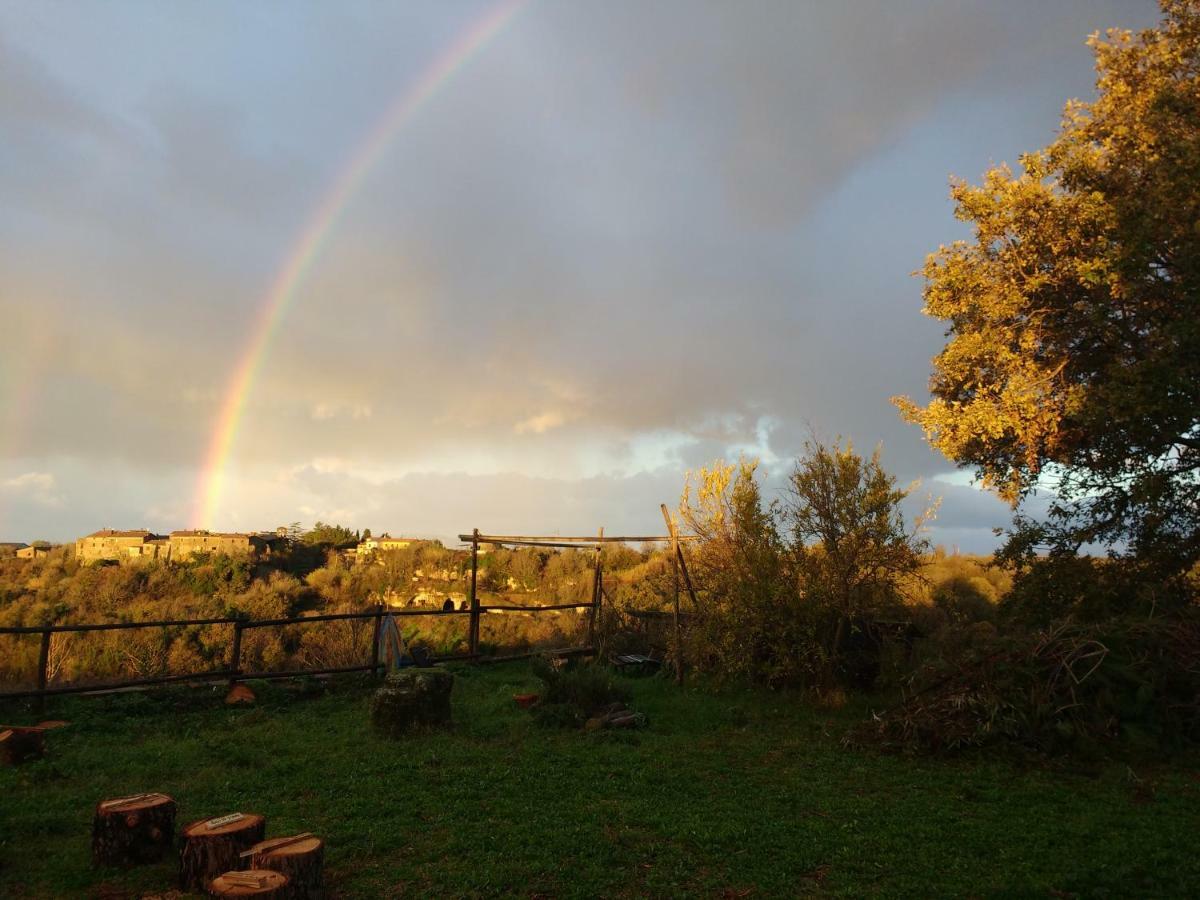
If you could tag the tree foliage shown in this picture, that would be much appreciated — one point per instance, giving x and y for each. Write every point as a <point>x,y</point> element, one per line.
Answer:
<point>751,624</point>
<point>788,585</point>
<point>334,535</point>
<point>849,535</point>
<point>1073,353</point>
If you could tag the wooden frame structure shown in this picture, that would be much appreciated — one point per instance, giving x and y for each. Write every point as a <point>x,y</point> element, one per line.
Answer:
<point>596,543</point>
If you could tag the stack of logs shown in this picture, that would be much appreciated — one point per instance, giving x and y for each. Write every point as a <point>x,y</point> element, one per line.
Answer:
<point>141,828</point>
<point>212,847</point>
<point>301,858</point>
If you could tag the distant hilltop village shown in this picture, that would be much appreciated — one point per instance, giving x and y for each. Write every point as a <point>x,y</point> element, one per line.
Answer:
<point>181,546</point>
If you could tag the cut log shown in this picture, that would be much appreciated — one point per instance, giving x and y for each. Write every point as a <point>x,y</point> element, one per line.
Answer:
<point>127,831</point>
<point>19,744</point>
<point>300,857</point>
<point>251,883</point>
<point>211,847</point>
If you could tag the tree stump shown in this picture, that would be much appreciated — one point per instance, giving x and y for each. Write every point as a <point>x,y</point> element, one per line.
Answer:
<point>18,744</point>
<point>251,883</point>
<point>132,830</point>
<point>412,699</point>
<point>211,847</point>
<point>300,857</point>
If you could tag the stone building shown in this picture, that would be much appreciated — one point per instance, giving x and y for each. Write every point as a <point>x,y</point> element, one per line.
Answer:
<point>33,552</point>
<point>382,544</point>
<point>108,544</point>
<point>186,544</point>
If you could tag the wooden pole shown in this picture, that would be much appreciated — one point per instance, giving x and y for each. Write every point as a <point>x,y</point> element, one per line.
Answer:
<point>687,578</point>
<point>595,596</point>
<point>598,649</point>
<point>473,630</point>
<point>675,607</point>
<point>375,639</point>
<point>43,668</point>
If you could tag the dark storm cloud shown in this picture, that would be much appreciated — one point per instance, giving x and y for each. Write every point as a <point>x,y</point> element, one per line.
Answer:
<point>625,239</point>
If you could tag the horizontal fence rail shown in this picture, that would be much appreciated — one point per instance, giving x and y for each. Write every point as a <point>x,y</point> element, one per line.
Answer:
<point>582,543</point>
<point>115,626</point>
<point>234,673</point>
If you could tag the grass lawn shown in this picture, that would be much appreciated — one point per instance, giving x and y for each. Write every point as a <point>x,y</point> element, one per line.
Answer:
<point>725,794</point>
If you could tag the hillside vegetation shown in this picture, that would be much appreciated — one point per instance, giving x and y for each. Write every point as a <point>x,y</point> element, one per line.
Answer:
<point>308,579</point>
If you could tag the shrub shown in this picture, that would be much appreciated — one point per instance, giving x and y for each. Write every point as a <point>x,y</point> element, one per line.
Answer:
<point>1068,686</point>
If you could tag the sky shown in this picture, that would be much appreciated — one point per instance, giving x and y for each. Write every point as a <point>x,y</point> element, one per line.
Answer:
<point>616,242</point>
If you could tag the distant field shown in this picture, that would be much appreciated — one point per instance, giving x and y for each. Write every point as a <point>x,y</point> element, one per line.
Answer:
<point>733,794</point>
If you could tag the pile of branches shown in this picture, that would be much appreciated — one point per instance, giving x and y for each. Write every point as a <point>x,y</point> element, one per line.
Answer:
<point>574,692</point>
<point>1068,686</point>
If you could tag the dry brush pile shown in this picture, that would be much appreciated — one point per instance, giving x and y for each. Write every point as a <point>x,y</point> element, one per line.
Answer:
<point>1068,686</point>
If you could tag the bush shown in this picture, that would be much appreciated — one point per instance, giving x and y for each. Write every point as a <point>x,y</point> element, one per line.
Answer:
<point>1068,686</point>
<point>791,590</point>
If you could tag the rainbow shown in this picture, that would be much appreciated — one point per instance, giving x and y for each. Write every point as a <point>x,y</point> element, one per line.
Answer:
<point>315,234</point>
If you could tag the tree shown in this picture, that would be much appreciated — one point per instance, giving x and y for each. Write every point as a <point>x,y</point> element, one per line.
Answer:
<point>335,535</point>
<point>850,544</point>
<point>293,532</point>
<point>1073,352</point>
<point>749,623</point>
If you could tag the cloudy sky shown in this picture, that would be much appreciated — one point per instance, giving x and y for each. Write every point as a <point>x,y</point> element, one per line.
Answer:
<point>621,240</point>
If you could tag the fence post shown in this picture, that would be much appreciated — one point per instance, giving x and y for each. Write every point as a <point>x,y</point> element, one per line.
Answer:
<point>375,640</point>
<point>473,630</point>
<point>595,597</point>
<point>43,668</point>
<point>675,558</point>
<point>235,654</point>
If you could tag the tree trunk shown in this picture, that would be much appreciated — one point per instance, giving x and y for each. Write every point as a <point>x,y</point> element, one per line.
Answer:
<point>835,653</point>
<point>132,830</point>
<point>209,852</point>
<point>301,858</point>
<point>251,883</point>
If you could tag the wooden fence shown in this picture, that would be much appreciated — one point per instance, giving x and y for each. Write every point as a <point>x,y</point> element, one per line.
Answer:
<point>233,671</point>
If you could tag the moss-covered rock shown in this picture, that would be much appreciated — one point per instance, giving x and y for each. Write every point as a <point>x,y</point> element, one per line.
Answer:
<point>412,700</point>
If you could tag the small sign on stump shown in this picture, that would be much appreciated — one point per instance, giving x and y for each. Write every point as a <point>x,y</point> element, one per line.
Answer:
<point>212,847</point>
<point>127,831</point>
<point>251,883</point>
<point>301,857</point>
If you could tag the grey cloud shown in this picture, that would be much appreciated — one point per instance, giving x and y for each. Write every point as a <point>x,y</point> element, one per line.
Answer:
<point>508,503</point>
<point>620,220</point>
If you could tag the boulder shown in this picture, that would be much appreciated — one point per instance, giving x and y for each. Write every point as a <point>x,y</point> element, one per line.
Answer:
<point>239,695</point>
<point>412,700</point>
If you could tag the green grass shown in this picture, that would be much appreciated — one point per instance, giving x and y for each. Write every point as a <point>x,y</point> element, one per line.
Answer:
<point>725,794</point>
